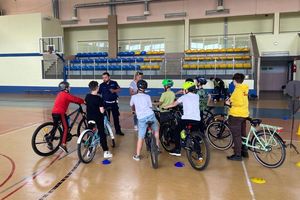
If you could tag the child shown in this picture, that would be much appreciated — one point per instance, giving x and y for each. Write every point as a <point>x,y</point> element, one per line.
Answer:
<point>238,113</point>
<point>61,104</point>
<point>141,104</point>
<point>191,113</point>
<point>202,94</point>
<point>94,111</point>
<point>168,96</point>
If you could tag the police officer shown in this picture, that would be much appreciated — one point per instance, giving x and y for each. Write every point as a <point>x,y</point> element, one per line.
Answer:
<point>109,90</point>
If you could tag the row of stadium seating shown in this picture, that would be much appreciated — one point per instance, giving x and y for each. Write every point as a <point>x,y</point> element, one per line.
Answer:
<point>116,60</point>
<point>217,66</point>
<point>196,58</point>
<point>121,54</point>
<point>222,50</point>
<point>111,67</point>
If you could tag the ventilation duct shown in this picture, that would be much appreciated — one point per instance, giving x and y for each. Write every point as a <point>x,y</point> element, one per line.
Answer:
<point>136,18</point>
<point>174,15</point>
<point>55,8</point>
<point>69,22</point>
<point>98,20</point>
<point>220,9</point>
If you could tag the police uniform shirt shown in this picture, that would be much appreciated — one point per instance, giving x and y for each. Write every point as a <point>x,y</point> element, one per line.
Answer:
<point>105,88</point>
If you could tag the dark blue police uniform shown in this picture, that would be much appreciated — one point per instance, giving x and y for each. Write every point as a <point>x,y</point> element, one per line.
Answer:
<point>111,101</point>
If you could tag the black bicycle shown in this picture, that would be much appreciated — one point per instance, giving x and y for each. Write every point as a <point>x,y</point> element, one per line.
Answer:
<point>151,145</point>
<point>196,146</point>
<point>47,138</point>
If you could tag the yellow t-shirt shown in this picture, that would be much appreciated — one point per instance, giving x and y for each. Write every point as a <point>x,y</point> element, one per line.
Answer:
<point>166,98</point>
<point>239,101</point>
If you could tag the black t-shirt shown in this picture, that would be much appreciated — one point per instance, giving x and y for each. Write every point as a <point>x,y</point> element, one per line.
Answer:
<point>93,103</point>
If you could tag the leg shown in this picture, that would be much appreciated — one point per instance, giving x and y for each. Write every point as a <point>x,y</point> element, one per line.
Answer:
<point>101,134</point>
<point>139,146</point>
<point>116,114</point>
<point>235,125</point>
<point>65,128</point>
<point>135,120</point>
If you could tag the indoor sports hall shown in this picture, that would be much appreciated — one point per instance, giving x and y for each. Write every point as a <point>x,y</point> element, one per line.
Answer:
<point>210,88</point>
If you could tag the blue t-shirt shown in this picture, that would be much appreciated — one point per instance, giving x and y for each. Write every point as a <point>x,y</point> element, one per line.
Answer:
<point>105,92</point>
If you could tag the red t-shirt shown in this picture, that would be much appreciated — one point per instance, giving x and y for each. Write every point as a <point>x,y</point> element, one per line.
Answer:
<point>62,101</point>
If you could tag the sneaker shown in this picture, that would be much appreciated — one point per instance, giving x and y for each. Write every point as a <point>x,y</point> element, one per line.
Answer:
<point>64,148</point>
<point>136,157</point>
<point>107,154</point>
<point>136,128</point>
<point>120,133</point>
<point>235,158</point>
<point>175,152</point>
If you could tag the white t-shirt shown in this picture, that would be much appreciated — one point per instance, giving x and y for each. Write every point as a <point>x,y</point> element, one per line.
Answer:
<point>143,105</point>
<point>133,86</point>
<point>190,102</point>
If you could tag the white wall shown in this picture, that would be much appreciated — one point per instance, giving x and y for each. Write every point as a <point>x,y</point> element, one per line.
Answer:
<point>73,35</point>
<point>20,33</point>
<point>289,22</point>
<point>51,27</point>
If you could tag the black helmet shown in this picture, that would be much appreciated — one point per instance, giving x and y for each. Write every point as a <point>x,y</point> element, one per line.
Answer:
<point>201,80</point>
<point>63,85</point>
<point>142,85</point>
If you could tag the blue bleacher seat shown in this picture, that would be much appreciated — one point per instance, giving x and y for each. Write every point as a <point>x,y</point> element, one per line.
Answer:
<point>143,53</point>
<point>140,60</point>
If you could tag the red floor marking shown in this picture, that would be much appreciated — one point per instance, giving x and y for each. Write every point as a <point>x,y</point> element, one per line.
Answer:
<point>33,177</point>
<point>13,167</point>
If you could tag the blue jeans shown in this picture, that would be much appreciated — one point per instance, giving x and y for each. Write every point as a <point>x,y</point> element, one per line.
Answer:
<point>142,124</point>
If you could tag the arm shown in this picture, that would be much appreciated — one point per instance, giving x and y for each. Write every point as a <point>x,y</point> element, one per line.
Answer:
<point>131,92</point>
<point>117,89</point>
<point>75,99</point>
<point>172,105</point>
<point>132,105</point>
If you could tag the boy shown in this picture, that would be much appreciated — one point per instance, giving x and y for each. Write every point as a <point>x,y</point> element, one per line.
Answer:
<point>168,96</point>
<point>237,113</point>
<point>61,104</point>
<point>191,113</point>
<point>202,94</point>
<point>141,104</point>
<point>94,111</point>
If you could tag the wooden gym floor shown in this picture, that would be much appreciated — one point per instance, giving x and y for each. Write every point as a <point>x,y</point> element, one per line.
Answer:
<point>25,175</point>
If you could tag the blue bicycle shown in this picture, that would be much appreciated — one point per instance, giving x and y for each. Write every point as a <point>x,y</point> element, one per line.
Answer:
<point>87,143</point>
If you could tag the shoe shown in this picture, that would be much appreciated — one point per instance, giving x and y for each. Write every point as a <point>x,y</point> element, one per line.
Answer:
<point>64,148</point>
<point>136,157</point>
<point>107,154</point>
<point>235,158</point>
<point>245,154</point>
<point>175,152</point>
<point>120,133</point>
<point>136,128</point>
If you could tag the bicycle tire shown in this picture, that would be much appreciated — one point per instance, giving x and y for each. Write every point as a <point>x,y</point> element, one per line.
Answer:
<point>82,125</point>
<point>199,140</point>
<point>47,137</point>
<point>256,152</point>
<point>85,142</point>
<point>154,152</point>
<point>215,136</point>
<point>109,132</point>
<point>166,139</point>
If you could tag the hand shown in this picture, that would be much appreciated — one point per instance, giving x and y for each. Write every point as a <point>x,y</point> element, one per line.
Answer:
<point>112,90</point>
<point>228,102</point>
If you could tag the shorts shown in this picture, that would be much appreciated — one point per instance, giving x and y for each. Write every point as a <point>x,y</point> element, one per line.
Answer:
<point>142,124</point>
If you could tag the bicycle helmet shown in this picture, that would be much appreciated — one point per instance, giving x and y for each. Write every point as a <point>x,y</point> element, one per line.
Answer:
<point>167,83</point>
<point>63,85</point>
<point>190,86</point>
<point>201,80</point>
<point>142,85</point>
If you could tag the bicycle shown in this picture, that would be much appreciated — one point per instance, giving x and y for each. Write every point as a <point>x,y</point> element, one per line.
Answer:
<point>47,138</point>
<point>87,143</point>
<point>261,139</point>
<point>151,145</point>
<point>196,146</point>
<point>108,129</point>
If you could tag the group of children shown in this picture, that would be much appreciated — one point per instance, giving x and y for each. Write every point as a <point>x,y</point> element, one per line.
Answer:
<point>194,96</point>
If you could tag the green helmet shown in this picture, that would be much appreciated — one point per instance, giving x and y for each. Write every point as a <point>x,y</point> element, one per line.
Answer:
<point>188,85</point>
<point>167,83</point>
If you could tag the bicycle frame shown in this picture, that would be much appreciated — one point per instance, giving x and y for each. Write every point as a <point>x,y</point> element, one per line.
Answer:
<point>265,128</point>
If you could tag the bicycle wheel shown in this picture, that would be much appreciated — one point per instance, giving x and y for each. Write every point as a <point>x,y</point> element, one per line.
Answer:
<point>83,125</point>
<point>154,152</point>
<point>219,135</point>
<point>85,150</point>
<point>275,152</point>
<point>165,138</point>
<point>109,132</point>
<point>198,152</point>
<point>215,117</point>
<point>46,139</point>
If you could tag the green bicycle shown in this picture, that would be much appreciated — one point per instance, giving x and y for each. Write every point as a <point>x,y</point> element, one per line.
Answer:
<point>263,140</point>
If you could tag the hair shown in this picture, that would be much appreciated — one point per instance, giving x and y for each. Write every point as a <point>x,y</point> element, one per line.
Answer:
<point>211,78</point>
<point>93,85</point>
<point>139,73</point>
<point>238,77</point>
<point>106,73</point>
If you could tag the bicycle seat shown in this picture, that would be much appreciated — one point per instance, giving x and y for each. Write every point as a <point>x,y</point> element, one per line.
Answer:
<point>149,123</point>
<point>255,122</point>
<point>91,124</point>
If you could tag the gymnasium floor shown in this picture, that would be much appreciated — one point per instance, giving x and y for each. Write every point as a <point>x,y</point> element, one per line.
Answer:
<point>25,175</point>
